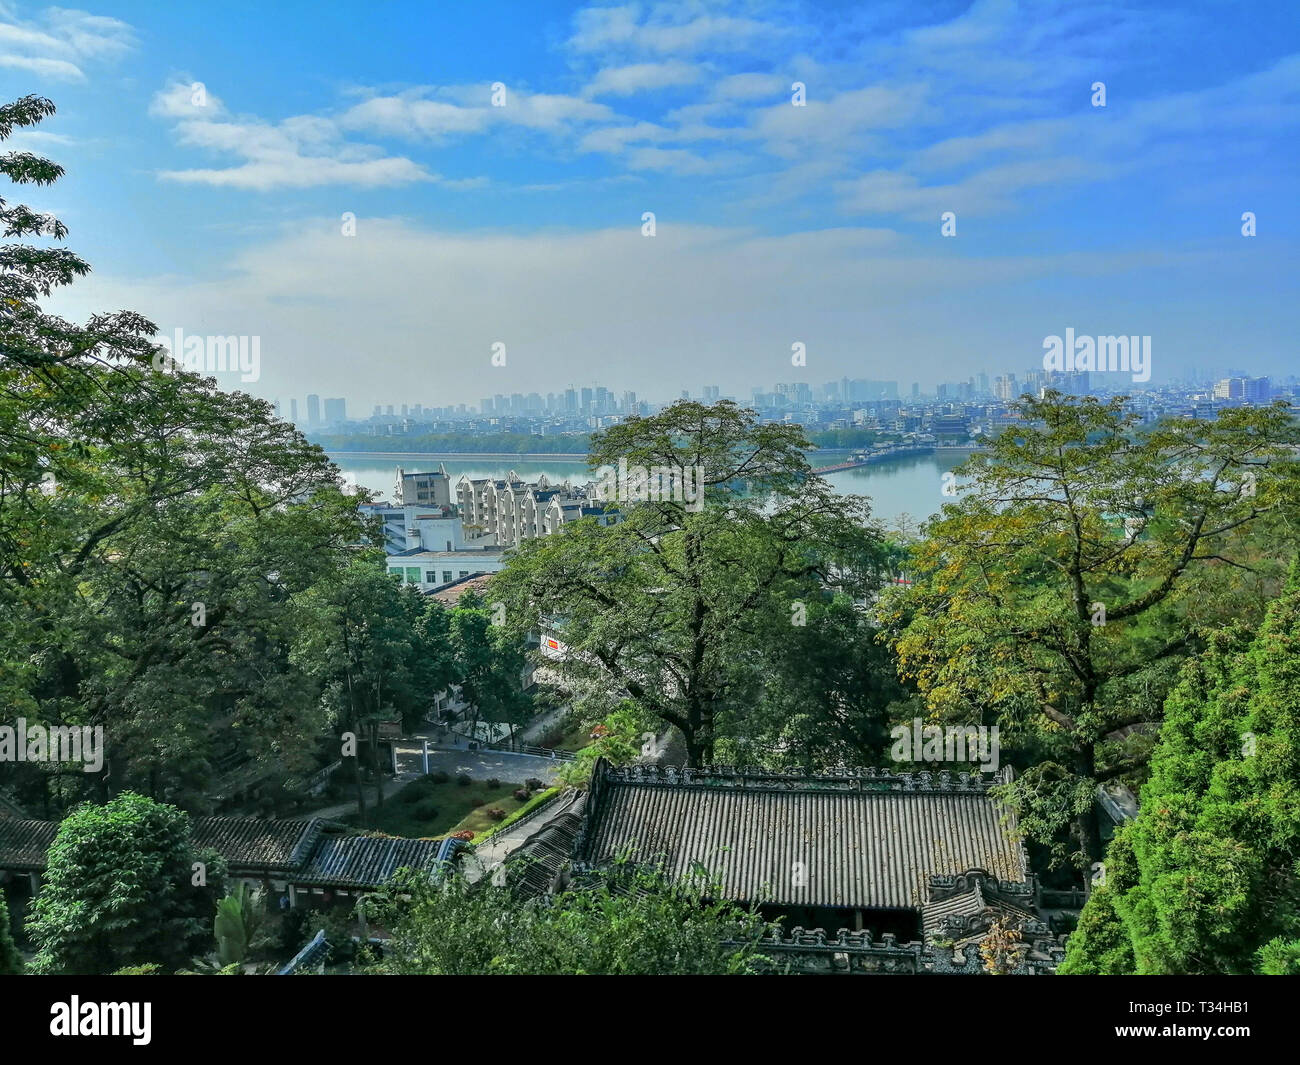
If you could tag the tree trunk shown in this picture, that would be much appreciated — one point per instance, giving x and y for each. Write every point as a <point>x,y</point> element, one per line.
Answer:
<point>374,764</point>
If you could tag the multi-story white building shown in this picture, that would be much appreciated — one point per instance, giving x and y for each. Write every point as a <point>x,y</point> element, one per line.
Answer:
<point>425,527</point>
<point>512,510</point>
<point>424,488</point>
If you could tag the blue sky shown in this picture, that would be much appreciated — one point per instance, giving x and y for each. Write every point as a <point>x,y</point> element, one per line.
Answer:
<point>775,224</point>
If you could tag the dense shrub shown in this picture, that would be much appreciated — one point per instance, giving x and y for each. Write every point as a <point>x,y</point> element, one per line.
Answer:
<point>440,777</point>
<point>493,783</point>
<point>464,780</point>
<point>521,794</point>
<point>476,801</point>
<point>426,809</point>
<point>496,813</point>
<point>533,784</point>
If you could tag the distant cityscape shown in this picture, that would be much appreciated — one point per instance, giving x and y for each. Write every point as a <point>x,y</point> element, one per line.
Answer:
<point>951,411</point>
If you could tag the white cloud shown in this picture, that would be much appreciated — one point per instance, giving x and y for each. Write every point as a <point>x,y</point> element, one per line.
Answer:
<point>409,311</point>
<point>665,32</point>
<point>55,44</point>
<point>642,77</point>
<point>55,69</point>
<point>301,151</point>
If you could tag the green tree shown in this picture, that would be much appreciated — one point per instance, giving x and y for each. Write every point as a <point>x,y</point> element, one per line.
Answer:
<point>237,926</point>
<point>669,605</point>
<point>1207,878</point>
<point>631,922</point>
<point>120,889</point>
<point>153,531</point>
<point>827,694</point>
<point>490,661</point>
<point>361,636</point>
<point>11,962</point>
<point>1059,596</point>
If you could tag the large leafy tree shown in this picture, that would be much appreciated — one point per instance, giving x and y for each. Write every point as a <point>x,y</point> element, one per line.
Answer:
<point>490,661</point>
<point>670,606</point>
<point>1207,878</point>
<point>826,696</point>
<point>124,885</point>
<point>153,531</point>
<point>1058,597</point>
<point>630,922</point>
<point>374,651</point>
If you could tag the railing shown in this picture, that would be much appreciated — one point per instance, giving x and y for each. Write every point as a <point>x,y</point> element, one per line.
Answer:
<point>528,748</point>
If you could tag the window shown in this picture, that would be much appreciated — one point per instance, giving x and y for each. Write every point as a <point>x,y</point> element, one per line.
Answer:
<point>464,573</point>
<point>446,575</point>
<point>413,574</point>
<point>431,576</point>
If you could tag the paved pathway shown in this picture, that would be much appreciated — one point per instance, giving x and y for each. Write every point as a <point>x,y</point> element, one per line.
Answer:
<point>494,852</point>
<point>451,758</point>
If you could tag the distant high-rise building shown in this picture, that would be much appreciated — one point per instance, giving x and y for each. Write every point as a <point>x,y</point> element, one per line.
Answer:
<point>711,393</point>
<point>586,397</point>
<point>378,411</point>
<point>629,402</point>
<point>485,405</point>
<point>336,411</point>
<point>313,410</point>
<point>570,399</point>
<point>916,390</point>
<point>293,411</point>
<point>390,410</point>
<point>1243,389</point>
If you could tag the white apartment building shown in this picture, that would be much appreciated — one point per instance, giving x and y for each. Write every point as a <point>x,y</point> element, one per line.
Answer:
<point>425,527</point>
<point>512,510</point>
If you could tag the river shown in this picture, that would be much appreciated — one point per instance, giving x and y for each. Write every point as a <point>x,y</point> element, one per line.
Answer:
<point>911,485</point>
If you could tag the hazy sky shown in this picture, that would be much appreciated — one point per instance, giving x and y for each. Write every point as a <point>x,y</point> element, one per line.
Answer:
<point>221,211</point>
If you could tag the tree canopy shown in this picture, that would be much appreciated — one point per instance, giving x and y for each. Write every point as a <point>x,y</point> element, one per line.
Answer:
<point>671,605</point>
<point>1088,557</point>
<point>1207,878</point>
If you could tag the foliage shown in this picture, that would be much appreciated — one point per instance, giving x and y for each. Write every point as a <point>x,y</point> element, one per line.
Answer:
<point>618,742</point>
<point>11,962</point>
<point>1207,878</point>
<point>237,926</point>
<point>827,696</point>
<point>669,606</point>
<point>629,922</point>
<point>154,531</point>
<point>119,889</point>
<point>1086,560</point>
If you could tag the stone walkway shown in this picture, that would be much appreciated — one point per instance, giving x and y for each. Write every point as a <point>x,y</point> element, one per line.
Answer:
<point>494,852</point>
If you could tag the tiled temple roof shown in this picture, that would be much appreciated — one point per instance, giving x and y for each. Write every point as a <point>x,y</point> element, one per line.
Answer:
<point>366,861</point>
<point>23,843</point>
<point>867,839</point>
<point>258,843</point>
